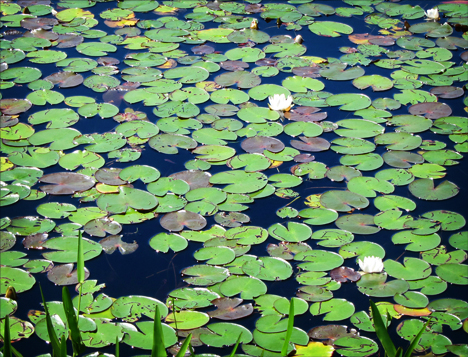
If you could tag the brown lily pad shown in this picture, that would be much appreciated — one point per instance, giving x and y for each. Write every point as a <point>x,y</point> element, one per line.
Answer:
<point>433,110</point>
<point>35,241</point>
<point>448,92</point>
<point>176,221</point>
<point>344,274</point>
<point>66,183</point>
<point>304,158</point>
<point>311,144</point>
<point>229,309</point>
<point>305,114</point>
<point>257,144</point>
<point>65,275</point>
<point>109,176</point>
<point>112,243</point>
<point>65,79</point>
<point>194,178</point>
<point>330,333</point>
<point>307,71</point>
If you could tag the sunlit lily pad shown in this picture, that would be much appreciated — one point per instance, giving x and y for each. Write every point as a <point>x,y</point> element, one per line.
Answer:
<point>65,275</point>
<point>376,285</point>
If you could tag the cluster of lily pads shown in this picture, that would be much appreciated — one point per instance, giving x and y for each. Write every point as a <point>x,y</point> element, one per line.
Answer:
<point>173,51</point>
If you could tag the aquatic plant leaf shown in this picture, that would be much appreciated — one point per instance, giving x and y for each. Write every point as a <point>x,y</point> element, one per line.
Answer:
<point>357,223</point>
<point>225,334</point>
<point>17,278</point>
<point>333,237</point>
<point>268,268</point>
<point>66,249</point>
<point>213,153</point>
<point>176,221</point>
<point>205,274</point>
<point>453,273</point>
<point>413,269</point>
<point>296,232</point>
<point>275,341</point>
<point>165,241</point>
<point>111,243</point>
<point>361,249</point>
<point>55,210</point>
<point>64,274</point>
<point>344,274</point>
<point>330,28</point>
<point>425,189</point>
<point>143,172</point>
<point>376,285</point>
<point>248,287</point>
<point>127,197</point>
<point>229,309</point>
<point>240,181</point>
<point>242,79</point>
<point>169,143</point>
<point>144,339</point>
<point>334,309</point>
<point>416,242</point>
<point>315,144</point>
<point>65,183</point>
<point>131,308</point>
<point>14,106</point>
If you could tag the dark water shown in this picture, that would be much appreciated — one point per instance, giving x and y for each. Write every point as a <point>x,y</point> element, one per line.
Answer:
<point>156,274</point>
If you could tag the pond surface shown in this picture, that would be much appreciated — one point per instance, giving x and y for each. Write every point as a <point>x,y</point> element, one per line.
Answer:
<point>156,130</point>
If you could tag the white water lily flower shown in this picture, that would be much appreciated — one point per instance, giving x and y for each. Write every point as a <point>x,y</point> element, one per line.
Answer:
<point>371,264</point>
<point>432,14</point>
<point>280,102</point>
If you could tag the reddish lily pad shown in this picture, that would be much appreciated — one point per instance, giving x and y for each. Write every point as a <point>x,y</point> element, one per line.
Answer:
<point>65,275</point>
<point>229,309</point>
<point>66,183</point>
<point>176,221</point>
<point>344,274</point>
<point>111,243</point>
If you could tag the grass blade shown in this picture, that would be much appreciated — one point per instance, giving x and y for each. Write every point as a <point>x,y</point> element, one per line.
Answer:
<point>184,346</point>
<point>72,319</point>
<point>117,347</point>
<point>415,340</point>
<point>63,347</point>
<point>284,350</point>
<point>80,267</point>
<point>158,349</point>
<point>56,349</point>
<point>6,338</point>
<point>80,272</point>
<point>233,352</point>
<point>382,332</point>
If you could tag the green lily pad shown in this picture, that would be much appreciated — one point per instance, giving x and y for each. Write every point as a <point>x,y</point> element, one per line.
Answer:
<point>330,28</point>
<point>357,223</point>
<point>66,249</point>
<point>319,260</point>
<point>225,334</point>
<point>247,287</point>
<point>268,268</point>
<point>18,278</point>
<point>205,274</point>
<point>334,309</point>
<point>425,189</point>
<point>343,201</point>
<point>376,285</point>
<point>131,308</point>
<point>413,269</point>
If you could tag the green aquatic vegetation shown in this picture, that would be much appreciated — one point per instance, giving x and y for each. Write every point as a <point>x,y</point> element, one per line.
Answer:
<point>201,150</point>
<point>385,339</point>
